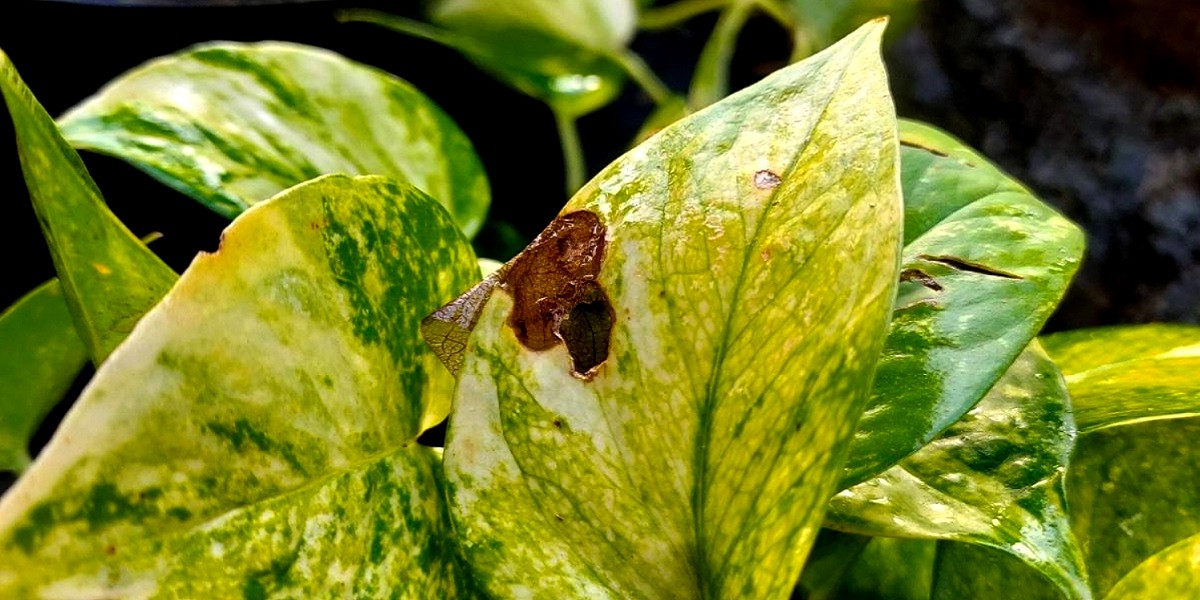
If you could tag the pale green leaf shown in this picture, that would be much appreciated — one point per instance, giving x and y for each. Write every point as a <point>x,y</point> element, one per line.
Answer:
<point>255,432</point>
<point>110,279</point>
<point>658,393</point>
<point>1172,573</point>
<point>40,355</point>
<point>567,53</point>
<point>1127,374</point>
<point>233,124</point>
<point>985,263</point>
<point>994,478</point>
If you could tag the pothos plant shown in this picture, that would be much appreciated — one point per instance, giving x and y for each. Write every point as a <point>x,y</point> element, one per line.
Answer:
<point>786,346</point>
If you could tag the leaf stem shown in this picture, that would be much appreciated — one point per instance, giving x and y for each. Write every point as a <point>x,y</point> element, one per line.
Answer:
<point>711,81</point>
<point>640,72</point>
<point>572,150</point>
<point>665,17</point>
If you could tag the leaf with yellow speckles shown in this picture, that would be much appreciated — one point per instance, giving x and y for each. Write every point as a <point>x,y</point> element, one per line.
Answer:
<point>39,358</point>
<point>1172,573</point>
<point>995,478</point>
<point>110,279</point>
<point>1126,374</point>
<point>658,394</point>
<point>985,263</point>
<point>256,433</point>
<point>232,124</point>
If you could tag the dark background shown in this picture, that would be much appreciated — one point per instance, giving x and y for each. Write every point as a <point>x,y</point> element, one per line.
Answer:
<point>1096,105</point>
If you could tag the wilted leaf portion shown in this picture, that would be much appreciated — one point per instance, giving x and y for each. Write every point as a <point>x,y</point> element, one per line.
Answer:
<point>994,478</point>
<point>110,279</point>
<point>254,427</point>
<point>985,263</point>
<point>233,124</point>
<point>40,355</point>
<point>695,461</point>
<point>1127,374</point>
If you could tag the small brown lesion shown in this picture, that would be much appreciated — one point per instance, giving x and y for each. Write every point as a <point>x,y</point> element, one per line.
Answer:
<point>922,278</point>
<point>766,179</point>
<point>919,146</point>
<point>962,264</point>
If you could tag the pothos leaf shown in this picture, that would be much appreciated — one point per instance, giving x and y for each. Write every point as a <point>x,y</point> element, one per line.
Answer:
<point>110,279</point>
<point>233,124</point>
<point>994,478</point>
<point>1172,573</point>
<point>624,418</point>
<point>262,417</point>
<point>985,263</point>
<point>39,358</point>
<point>1127,374</point>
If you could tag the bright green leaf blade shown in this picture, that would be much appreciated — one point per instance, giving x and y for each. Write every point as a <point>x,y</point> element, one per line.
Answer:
<point>985,263</point>
<point>283,364</point>
<point>1121,375</point>
<point>994,478</point>
<point>40,355</point>
<point>110,279</point>
<point>1132,493</point>
<point>1172,573</point>
<point>233,124</point>
<point>563,52</point>
<point>892,569</point>
<point>665,412</point>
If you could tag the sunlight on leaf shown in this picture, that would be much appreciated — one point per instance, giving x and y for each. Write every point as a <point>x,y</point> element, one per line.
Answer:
<point>587,436</point>
<point>109,278</point>
<point>233,124</point>
<point>264,415</point>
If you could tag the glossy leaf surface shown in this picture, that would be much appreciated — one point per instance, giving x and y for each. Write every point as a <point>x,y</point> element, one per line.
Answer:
<point>622,419</point>
<point>233,124</point>
<point>1172,573</point>
<point>109,278</point>
<point>985,263</point>
<point>1120,375</point>
<point>994,478</point>
<point>40,355</point>
<point>256,432</point>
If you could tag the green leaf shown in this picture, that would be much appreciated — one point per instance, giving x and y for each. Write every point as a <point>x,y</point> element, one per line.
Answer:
<point>831,557</point>
<point>110,279</point>
<point>1132,492</point>
<point>968,571</point>
<point>985,263</point>
<point>819,22</point>
<point>1127,374</point>
<point>994,478</point>
<point>567,53</point>
<point>658,393</point>
<point>233,124</point>
<point>1172,573</point>
<point>892,569</point>
<point>257,431</point>
<point>39,358</point>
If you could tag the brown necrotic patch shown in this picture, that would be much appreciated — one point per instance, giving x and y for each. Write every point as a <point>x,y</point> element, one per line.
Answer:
<point>556,297</point>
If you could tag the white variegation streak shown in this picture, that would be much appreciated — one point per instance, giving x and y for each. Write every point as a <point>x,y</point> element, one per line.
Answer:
<point>271,380</point>
<point>697,461</point>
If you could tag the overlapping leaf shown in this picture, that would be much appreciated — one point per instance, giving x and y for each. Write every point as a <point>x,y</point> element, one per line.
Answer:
<point>985,263</point>
<point>658,392</point>
<point>567,53</point>
<point>40,355</point>
<point>1120,375</point>
<point>255,435</point>
<point>233,124</point>
<point>994,478</point>
<point>109,278</point>
<point>1172,573</point>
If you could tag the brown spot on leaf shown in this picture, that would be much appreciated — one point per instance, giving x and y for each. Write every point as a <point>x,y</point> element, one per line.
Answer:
<point>110,549</point>
<point>963,264</point>
<point>933,151</point>
<point>766,179</point>
<point>922,278</point>
<point>556,298</point>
